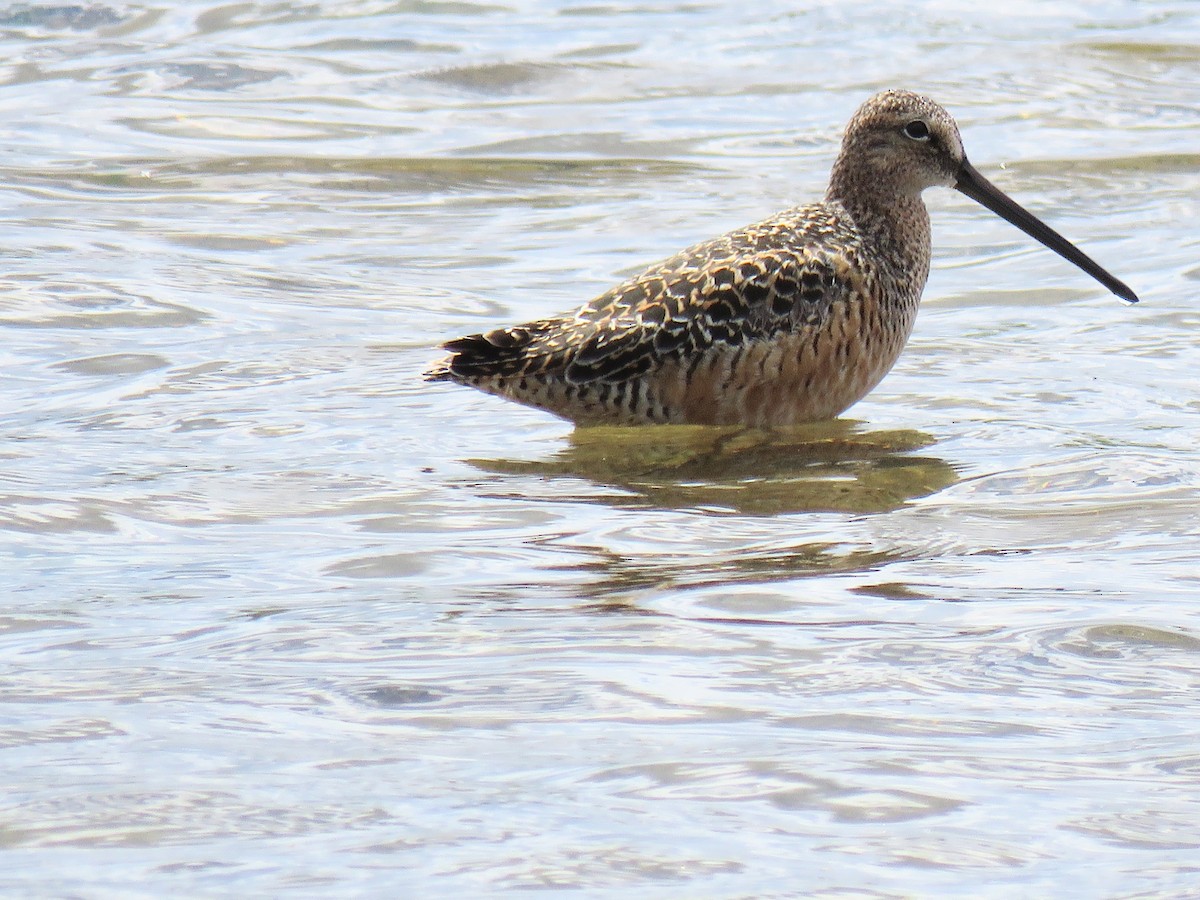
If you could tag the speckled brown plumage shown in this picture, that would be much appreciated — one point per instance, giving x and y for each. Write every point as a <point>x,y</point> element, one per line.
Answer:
<point>792,319</point>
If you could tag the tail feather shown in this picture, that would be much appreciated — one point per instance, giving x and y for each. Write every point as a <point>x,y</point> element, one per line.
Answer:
<point>498,354</point>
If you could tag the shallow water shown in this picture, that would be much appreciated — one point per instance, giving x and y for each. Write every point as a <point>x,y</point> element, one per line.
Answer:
<point>281,618</point>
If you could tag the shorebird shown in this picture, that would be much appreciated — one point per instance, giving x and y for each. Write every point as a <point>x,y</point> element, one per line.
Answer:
<point>792,319</point>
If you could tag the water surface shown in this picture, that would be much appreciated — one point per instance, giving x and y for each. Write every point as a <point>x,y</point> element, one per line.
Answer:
<point>282,618</point>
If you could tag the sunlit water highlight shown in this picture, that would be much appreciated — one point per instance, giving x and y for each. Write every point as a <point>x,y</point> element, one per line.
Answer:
<point>281,618</point>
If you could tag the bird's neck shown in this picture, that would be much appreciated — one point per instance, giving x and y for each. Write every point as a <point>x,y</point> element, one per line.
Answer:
<point>874,196</point>
<point>895,224</point>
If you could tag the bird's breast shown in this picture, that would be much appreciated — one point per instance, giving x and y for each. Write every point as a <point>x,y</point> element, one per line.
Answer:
<point>805,375</point>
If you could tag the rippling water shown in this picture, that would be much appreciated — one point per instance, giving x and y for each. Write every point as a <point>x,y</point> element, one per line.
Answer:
<point>281,618</point>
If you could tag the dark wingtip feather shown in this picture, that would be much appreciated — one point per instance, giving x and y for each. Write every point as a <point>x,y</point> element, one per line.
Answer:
<point>439,372</point>
<point>498,353</point>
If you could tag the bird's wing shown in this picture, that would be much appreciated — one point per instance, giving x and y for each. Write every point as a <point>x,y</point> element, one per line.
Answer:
<point>746,286</point>
<point>676,310</point>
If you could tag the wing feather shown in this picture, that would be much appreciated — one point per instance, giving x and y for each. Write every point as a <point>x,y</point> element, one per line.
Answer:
<point>746,286</point>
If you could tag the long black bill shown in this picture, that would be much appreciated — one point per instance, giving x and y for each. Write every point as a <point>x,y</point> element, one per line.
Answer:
<point>983,192</point>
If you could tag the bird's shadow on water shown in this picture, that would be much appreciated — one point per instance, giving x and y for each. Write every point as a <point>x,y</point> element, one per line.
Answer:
<point>833,466</point>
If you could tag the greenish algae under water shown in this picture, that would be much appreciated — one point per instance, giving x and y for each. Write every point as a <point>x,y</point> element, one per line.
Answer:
<point>826,467</point>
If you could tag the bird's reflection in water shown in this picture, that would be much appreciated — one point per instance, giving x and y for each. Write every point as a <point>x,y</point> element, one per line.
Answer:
<point>828,466</point>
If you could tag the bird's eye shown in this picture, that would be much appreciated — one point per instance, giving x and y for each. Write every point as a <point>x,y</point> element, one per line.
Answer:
<point>916,130</point>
